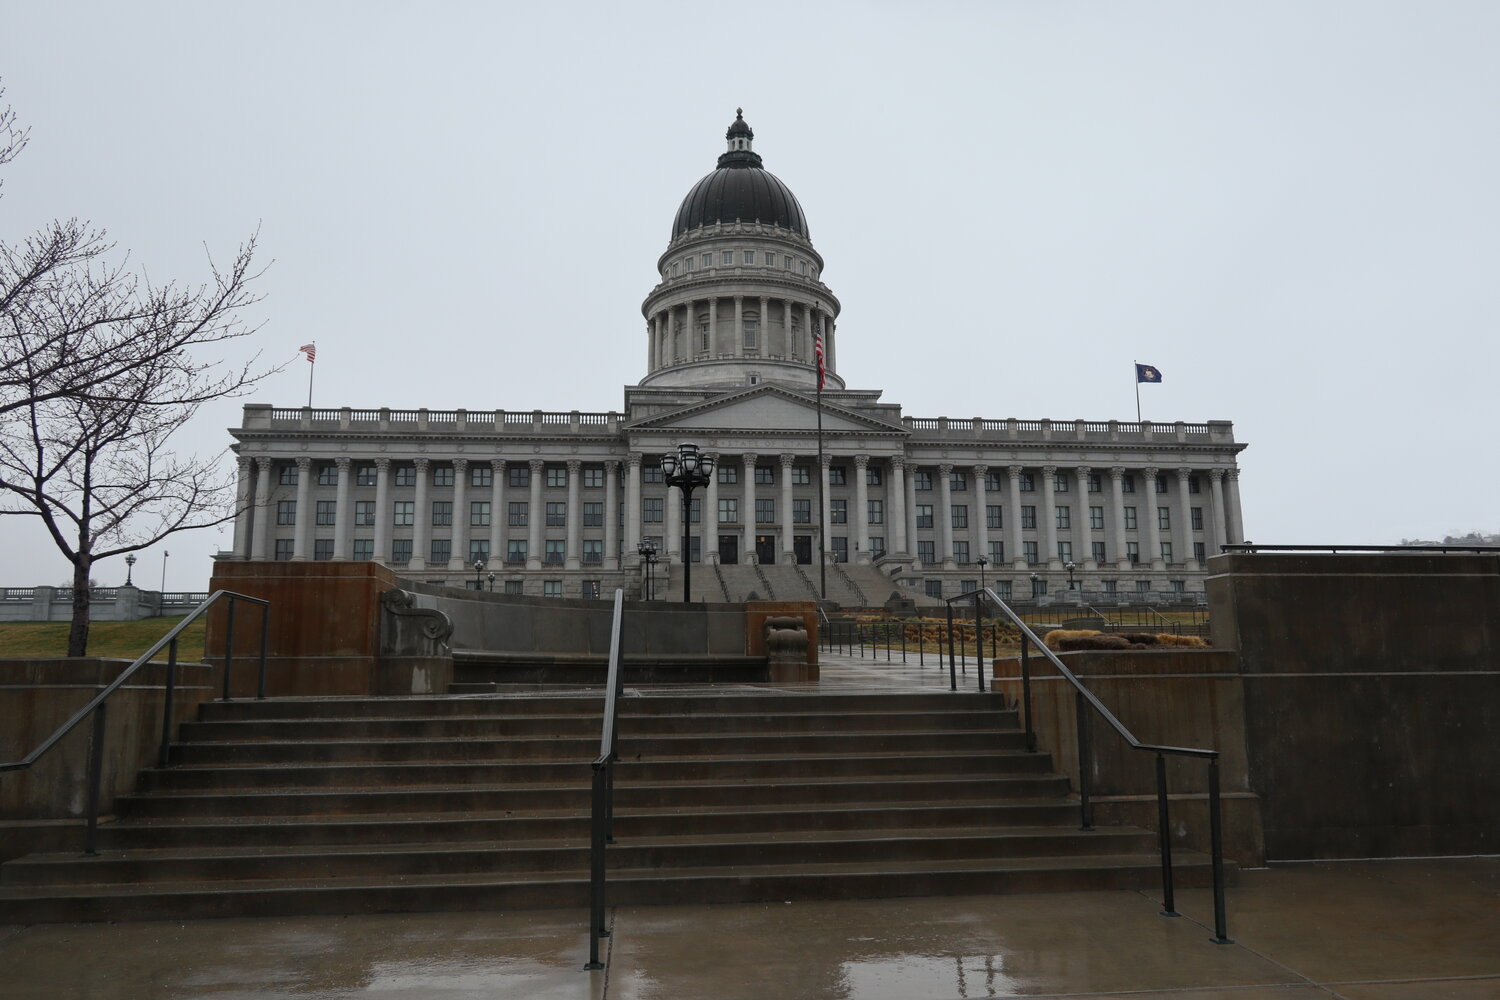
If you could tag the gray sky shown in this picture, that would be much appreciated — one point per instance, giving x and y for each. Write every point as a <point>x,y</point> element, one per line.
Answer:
<point>1290,208</point>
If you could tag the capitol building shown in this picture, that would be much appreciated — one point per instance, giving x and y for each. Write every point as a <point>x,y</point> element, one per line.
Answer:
<point>560,502</point>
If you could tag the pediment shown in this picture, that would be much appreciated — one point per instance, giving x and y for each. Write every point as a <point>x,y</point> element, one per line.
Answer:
<point>765,408</point>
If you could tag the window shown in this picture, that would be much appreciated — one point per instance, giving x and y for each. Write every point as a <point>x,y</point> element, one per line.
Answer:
<point>519,475</point>
<point>288,475</point>
<point>1127,483</point>
<point>926,550</point>
<point>1161,484</point>
<point>1195,515</point>
<point>924,515</point>
<point>838,475</point>
<point>1028,549</point>
<point>727,258</point>
<point>328,475</point>
<point>519,512</point>
<point>875,511</point>
<point>1065,552</point>
<point>1164,518</point>
<point>687,263</point>
<point>1111,586</point>
<point>651,509</point>
<point>873,476</point>
<point>1133,552</point>
<point>515,551</point>
<point>481,475</point>
<point>960,515</point>
<point>593,550</point>
<point>1028,517</point>
<point>590,590</point>
<point>765,511</point>
<point>1178,586</point>
<point>442,512</point>
<point>801,475</point>
<point>1130,522</point>
<point>593,515</point>
<point>695,511</point>
<point>934,588</point>
<point>1028,483</point>
<point>442,551</point>
<point>651,473</point>
<point>1096,551</point>
<point>557,477</point>
<point>551,588</point>
<point>729,510</point>
<point>286,512</point>
<point>1096,484</point>
<point>1002,589</point>
<point>1166,552</point>
<point>1060,482</point>
<point>1198,551</point>
<point>750,331</point>
<point>802,512</point>
<point>749,257</point>
<point>994,516</point>
<point>965,586</point>
<point>515,587</point>
<point>400,551</point>
<point>1038,588</point>
<point>801,267</point>
<point>283,549</point>
<point>840,548</point>
<point>479,513</point>
<point>674,269</point>
<point>958,481</point>
<point>479,550</point>
<point>786,263</point>
<point>555,550</point>
<point>838,511</point>
<point>323,548</point>
<point>765,475</point>
<point>364,475</point>
<point>992,480</point>
<point>557,514</point>
<point>729,475</point>
<point>405,513</point>
<point>770,259</point>
<point>708,260</point>
<point>406,475</point>
<point>1096,518</point>
<point>364,549</point>
<point>442,475</point>
<point>997,552</point>
<point>922,479</point>
<point>1064,517</point>
<point>364,512</point>
<point>593,477</point>
<point>961,554</point>
<point>1143,586</point>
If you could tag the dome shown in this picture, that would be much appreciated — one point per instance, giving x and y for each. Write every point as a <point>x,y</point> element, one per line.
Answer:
<point>740,190</point>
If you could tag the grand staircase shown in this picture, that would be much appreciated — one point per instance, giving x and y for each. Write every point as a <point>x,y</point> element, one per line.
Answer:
<point>361,805</point>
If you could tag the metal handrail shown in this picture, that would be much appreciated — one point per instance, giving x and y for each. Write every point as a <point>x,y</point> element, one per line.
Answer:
<point>1085,699</point>
<point>1252,548</point>
<point>602,813</point>
<point>98,707</point>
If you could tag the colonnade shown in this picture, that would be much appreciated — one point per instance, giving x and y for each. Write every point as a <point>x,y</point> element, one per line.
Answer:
<point>694,330</point>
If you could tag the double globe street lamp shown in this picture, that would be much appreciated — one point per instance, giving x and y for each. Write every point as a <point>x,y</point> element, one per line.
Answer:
<point>647,552</point>
<point>687,470</point>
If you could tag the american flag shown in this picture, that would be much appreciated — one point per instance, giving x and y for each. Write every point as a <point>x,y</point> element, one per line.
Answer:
<point>818,353</point>
<point>311,350</point>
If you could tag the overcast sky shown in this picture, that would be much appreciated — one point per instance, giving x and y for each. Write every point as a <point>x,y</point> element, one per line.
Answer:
<point>1290,208</point>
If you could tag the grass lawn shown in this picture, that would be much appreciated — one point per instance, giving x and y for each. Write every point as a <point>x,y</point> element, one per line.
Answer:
<point>123,639</point>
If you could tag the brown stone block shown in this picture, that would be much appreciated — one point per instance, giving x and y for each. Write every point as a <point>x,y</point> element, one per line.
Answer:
<point>756,613</point>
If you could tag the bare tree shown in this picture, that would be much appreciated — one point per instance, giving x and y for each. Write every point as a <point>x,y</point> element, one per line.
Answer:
<point>98,368</point>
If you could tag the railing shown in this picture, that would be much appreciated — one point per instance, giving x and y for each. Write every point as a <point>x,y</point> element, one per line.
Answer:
<point>892,637</point>
<point>98,705</point>
<point>602,818</point>
<point>1252,548</point>
<point>1084,699</point>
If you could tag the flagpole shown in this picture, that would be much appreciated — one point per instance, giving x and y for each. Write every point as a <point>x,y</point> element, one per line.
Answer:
<point>822,504</point>
<point>1134,366</point>
<point>311,364</point>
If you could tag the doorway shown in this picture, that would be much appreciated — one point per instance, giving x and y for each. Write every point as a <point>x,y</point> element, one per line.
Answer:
<point>802,548</point>
<point>729,550</point>
<point>765,550</point>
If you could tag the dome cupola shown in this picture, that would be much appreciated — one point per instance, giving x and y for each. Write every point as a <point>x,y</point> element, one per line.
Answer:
<point>740,190</point>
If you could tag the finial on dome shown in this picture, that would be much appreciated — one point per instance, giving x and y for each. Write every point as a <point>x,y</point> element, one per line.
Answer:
<point>740,135</point>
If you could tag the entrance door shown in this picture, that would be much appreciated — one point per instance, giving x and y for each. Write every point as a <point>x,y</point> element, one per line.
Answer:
<point>729,549</point>
<point>765,550</point>
<point>802,548</point>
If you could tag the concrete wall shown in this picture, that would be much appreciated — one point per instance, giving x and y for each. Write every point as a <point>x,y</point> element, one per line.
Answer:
<point>1372,698</point>
<point>55,604</point>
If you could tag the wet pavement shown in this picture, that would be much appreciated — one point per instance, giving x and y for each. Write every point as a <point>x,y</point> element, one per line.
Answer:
<point>1386,930</point>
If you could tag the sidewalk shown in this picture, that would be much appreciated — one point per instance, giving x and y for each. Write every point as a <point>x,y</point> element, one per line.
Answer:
<point>1382,930</point>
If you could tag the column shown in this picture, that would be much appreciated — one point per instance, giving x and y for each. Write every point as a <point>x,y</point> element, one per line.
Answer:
<point>632,503</point>
<point>749,501</point>
<point>243,491</point>
<point>1184,532</point>
<point>762,339</point>
<point>689,331</point>
<point>536,516</point>
<point>303,522</point>
<point>498,517</point>
<point>830,359</point>
<point>896,516</point>
<point>421,522</point>
<point>343,513</point>
<point>1049,517</point>
<point>673,541</point>
<point>1217,535</point>
<point>710,541</point>
<point>786,330</point>
<point>911,512</point>
<point>1013,519</point>
<point>1083,532</point>
<point>738,336</point>
<point>945,515</point>
<point>383,512</point>
<point>458,559</point>
<point>1117,496</point>
<point>1153,529</point>
<point>651,343</point>
<point>265,521</point>
<point>861,510</point>
<point>979,516</point>
<point>1234,524</point>
<point>788,554</point>
<point>573,557</point>
<point>612,515</point>
<point>713,326</point>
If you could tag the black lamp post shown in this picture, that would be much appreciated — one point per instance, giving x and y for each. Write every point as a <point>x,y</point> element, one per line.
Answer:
<point>983,562</point>
<point>1070,568</point>
<point>129,568</point>
<point>492,583</point>
<point>647,551</point>
<point>1035,593</point>
<point>687,470</point>
<point>478,568</point>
